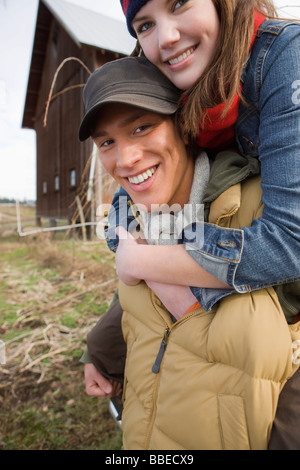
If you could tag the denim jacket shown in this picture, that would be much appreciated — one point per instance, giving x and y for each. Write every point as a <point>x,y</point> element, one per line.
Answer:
<point>268,128</point>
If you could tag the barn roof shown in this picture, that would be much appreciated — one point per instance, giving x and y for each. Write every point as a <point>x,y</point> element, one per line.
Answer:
<point>92,28</point>
<point>85,27</point>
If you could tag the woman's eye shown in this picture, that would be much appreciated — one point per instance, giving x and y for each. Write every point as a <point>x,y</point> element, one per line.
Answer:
<point>179,4</point>
<point>144,27</point>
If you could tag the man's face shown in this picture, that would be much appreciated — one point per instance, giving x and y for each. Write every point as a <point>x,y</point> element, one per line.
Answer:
<point>145,154</point>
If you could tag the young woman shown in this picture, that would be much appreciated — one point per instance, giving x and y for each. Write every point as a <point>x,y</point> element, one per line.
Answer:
<point>239,73</point>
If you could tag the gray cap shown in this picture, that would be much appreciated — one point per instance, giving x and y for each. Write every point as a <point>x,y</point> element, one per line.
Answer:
<point>131,80</point>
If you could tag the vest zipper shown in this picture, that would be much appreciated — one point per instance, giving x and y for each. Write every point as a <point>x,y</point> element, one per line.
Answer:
<point>156,369</point>
<point>163,344</point>
<point>160,355</point>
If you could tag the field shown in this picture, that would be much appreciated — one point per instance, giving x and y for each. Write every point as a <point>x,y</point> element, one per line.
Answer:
<point>53,289</point>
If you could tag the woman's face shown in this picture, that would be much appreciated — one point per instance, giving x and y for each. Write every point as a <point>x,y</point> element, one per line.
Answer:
<point>179,37</point>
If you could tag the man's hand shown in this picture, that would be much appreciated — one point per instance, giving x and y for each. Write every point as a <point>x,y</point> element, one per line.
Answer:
<point>97,385</point>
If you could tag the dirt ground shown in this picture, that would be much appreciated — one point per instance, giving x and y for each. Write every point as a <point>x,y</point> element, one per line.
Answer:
<point>52,291</point>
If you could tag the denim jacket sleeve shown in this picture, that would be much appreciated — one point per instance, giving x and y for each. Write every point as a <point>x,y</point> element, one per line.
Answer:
<point>267,253</point>
<point>119,214</point>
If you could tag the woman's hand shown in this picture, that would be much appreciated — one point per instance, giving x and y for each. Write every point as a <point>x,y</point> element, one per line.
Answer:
<point>159,263</point>
<point>126,256</point>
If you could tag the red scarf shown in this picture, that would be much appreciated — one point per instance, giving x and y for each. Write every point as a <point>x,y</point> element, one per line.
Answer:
<point>219,132</point>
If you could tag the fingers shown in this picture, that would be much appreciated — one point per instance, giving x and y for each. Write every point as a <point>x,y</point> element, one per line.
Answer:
<point>94,390</point>
<point>95,383</point>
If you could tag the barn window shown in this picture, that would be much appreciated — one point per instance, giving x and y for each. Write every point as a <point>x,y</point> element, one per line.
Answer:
<point>56,183</point>
<point>45,187</point>
<point>73,178</point>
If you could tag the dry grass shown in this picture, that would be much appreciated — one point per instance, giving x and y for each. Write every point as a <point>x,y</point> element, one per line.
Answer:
<point>51,294</point>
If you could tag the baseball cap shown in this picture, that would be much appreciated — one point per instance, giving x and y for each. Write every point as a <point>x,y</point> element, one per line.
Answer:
<point>130,80</point>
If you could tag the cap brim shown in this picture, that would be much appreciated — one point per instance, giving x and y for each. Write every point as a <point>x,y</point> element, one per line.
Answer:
<point>154,104</point>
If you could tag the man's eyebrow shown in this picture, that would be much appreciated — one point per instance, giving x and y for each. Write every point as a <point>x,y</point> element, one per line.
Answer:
<point>134,117</point>
<point>125,122</point>
<point>96,134</point>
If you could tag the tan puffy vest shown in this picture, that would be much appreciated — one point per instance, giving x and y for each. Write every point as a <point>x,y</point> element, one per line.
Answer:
<point>218,374</point>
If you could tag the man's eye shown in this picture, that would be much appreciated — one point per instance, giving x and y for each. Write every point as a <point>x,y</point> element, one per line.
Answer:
<point>140,129</point>
<point>105,143</point>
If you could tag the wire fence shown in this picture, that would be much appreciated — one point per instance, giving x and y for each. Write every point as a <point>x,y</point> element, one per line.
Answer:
<point>20,220</point>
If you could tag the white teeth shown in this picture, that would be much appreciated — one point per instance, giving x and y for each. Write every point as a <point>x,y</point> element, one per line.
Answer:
<point>182,56</point>
<point>143,176</point>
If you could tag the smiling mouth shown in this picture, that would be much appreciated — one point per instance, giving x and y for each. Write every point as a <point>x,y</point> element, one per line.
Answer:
<point>142,177</point>
<point>181,57</point>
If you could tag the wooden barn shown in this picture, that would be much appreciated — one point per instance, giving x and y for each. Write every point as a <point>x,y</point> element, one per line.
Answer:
<point>70,42</point>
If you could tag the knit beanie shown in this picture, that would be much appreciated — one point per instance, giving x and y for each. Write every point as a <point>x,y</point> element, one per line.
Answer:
<point>130,9</point>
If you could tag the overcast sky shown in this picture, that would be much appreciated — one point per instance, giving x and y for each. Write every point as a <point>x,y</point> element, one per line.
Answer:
<point>17,146</point>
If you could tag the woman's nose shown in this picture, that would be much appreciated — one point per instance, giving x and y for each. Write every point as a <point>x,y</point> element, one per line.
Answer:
<point>168,34</point>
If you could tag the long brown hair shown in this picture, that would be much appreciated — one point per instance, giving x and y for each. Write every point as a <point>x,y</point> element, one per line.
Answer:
<point>221,80</point>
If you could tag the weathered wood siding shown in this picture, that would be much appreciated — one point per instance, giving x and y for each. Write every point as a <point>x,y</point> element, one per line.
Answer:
<point>58,149</point>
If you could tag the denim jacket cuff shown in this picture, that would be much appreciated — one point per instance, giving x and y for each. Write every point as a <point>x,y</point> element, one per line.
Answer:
<point>219,254</point>
<point>209,297</point>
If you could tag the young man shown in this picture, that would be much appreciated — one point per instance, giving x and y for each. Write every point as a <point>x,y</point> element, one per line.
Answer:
<point>201,380</point>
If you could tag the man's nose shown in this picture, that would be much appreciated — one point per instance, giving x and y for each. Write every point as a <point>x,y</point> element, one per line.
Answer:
<point>168,34</point>
<point>129,155</point>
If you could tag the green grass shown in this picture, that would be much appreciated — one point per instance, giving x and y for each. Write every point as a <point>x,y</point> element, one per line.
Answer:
<point>46,304</point>
<point>65,423</point>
